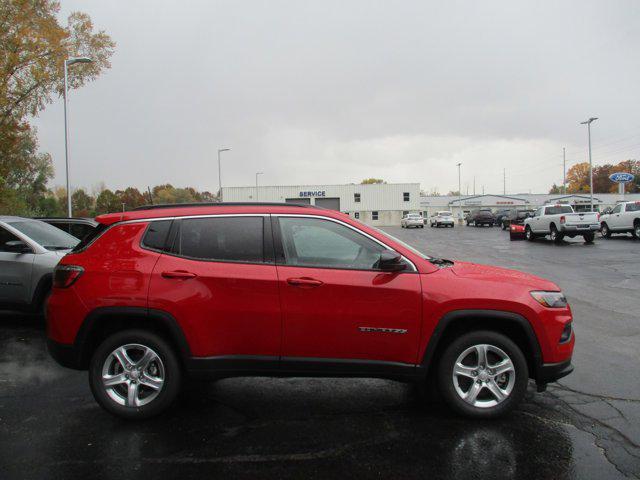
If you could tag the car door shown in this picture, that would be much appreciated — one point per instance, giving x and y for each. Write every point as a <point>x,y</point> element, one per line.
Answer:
<point>219,281</point>
<point>336,305</point>
<point>536,220</point>
<point>15,271</point>
<point>615,219</point>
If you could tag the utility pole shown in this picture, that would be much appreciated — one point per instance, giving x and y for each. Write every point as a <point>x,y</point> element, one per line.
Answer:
<point>474,184</point>
<point>459,195</point>
<point>588,124</point>
<point>504,181</point>
<point>564,171</point>
<point>220,150</point>
<point>482,189</point>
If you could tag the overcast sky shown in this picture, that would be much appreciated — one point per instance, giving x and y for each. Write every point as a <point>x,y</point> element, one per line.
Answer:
<point>336,91</point>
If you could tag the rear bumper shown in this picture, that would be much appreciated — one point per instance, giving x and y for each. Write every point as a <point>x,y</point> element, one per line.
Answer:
<point>574,228</point>
<point>66,355</point>
<point>550,372</point>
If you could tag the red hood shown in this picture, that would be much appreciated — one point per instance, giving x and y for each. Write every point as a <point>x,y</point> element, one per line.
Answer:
<point>497,274</point>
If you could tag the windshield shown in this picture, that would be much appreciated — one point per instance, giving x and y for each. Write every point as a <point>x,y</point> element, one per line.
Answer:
<point>414,215</point>
<point>408,247</point>
<point>45,235</point>
<point>555,210</point>
<point>445,214</point>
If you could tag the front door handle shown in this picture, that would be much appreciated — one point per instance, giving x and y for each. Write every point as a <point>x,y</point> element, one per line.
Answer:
<point>304,282</point>
<point>181,274</point>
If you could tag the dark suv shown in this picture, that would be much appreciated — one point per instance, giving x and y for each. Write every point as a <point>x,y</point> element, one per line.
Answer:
<point>515,217</point>
<point>290,290</point>
<point>480,217</point>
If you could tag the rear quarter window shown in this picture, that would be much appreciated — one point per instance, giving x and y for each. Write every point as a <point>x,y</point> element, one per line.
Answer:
<point>155,237</point>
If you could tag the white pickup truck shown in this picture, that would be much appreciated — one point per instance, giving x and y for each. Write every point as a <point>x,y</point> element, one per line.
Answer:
<point>625,217</point>
<point>559,221</point>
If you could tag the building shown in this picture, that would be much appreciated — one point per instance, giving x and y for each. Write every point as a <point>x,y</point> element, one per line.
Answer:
<point>374,204</point>
<point>466,203</point>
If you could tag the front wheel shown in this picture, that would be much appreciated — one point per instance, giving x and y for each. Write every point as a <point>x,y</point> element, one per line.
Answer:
<point>483,374</point>
<point>636,229</point>
<point>529,234</point>
<point>135,374</point>
<point>604,230</point>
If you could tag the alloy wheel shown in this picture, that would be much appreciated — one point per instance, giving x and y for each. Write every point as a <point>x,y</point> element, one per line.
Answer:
<point>133,375</point>
<point>483,376</point>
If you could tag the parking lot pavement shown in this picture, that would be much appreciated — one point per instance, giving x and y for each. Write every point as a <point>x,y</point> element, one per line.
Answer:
<point>587,427</point>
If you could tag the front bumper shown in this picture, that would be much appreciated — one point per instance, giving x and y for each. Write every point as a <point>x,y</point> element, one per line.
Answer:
<point>576,229</point>
<point>550,372</point>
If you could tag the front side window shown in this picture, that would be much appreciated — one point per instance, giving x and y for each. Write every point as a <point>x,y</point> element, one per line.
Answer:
<point>314,242</point>
<point>538,212</point>
<point>226,239</point>
<point>617,208</point>
<point>44,234</point>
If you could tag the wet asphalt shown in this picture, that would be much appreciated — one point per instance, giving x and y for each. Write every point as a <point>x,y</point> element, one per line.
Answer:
<point>586,426</point>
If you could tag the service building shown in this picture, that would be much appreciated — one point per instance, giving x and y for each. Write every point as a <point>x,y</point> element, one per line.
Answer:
<point>375,204</point>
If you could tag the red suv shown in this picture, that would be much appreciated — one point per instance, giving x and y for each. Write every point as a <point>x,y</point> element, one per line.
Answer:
<point>290,290</point>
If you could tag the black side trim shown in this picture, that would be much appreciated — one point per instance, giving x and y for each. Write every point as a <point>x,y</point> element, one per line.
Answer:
<point>65,355</point>
<point>232,365</point>
<point>457,315</point>
<point>40,292</point>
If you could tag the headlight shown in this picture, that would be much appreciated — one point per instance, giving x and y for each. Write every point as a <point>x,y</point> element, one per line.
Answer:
<point>550,299</point>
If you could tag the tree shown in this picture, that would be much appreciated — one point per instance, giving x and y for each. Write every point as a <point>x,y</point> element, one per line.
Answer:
<point>131,197</point>
<point>107,202</point>
<point>453,193</point>
<point>82,203</point>
<point>578,178</point>
<point>372,181</point>
<point>556,189</point>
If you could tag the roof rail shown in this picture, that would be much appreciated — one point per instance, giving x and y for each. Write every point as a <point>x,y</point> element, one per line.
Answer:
<point>223,204</point>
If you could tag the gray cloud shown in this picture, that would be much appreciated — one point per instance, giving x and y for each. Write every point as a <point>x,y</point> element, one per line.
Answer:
<point>312,92</point>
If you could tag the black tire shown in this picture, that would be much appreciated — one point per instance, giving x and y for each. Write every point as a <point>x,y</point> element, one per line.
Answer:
<point>528,234</point>
<point>589,237</point>
<point>636,229</point>
<point>503,225</point>
<point>555,235</point>
<point>172,374</point>
<point>604,230</point>
<point>456,348</point>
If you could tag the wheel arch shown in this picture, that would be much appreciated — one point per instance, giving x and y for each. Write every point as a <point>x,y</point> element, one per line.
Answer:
<point>104,321</point>
<point>40,292</point>
<point>455,323</point>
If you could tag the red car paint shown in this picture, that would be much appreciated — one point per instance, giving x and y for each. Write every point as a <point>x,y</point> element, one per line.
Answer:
<point>280,311</point>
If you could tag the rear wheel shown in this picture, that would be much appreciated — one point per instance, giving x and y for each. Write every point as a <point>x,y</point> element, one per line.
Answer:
<point>636,229</point>
<point>483,374</point>
<point>604,230</point>
<point>589,237</point>
<point>555,235</point>
<point>135,374</point>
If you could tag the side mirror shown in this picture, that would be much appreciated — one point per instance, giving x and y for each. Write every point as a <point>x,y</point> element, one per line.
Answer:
<point>17,246</point>
<point>391,261</point>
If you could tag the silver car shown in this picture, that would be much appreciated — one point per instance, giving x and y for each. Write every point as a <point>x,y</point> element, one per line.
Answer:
<point>29,250</point>
<point>412,220</point>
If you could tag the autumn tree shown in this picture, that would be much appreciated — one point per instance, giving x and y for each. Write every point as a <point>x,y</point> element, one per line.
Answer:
<point>131,197</point>
<point>578,178</point>
<point>33,47</point>
<point>107,202</point>
<point>82,203</point>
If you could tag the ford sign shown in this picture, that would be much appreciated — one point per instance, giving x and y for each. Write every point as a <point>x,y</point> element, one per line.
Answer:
<point>621,177</point>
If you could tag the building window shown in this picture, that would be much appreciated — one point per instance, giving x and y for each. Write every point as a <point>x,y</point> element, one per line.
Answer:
<point>356,215</point>
<point>356,197</point>
<point>374,215</point>
<point>406,196</point>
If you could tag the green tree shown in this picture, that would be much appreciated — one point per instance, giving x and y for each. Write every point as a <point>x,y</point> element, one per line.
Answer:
<point>555,189</point>
<point>82,203</point>
<point>131,197</point>
<point>372,181</point>
<point>107,202</point>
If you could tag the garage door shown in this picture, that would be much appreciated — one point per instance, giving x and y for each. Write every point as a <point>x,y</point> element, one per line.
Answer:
<point>329,203</point>
<point>299,201</point>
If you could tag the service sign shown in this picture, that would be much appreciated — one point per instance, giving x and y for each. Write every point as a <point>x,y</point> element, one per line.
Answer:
<point>621,177</point>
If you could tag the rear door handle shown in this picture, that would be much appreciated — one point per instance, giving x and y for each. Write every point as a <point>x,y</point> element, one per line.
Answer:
<point>179,274</point>
<point>304,282</point>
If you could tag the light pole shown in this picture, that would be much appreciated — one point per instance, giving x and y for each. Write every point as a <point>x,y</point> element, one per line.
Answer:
<point>220,173</point>
<point>67,62</point>
<point>459,195</point>
<point>257,173</point>
<point>588,124</point>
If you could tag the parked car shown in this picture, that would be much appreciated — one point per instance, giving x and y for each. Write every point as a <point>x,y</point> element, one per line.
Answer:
<point>444,219</point>
<point>412,220</point>
<point>559,221</point>
<point>517,217</point>
<point>78,227</point>
<point>29,250</point>
<point>290,290</point>
<point>624,218</point>
<point>480,217</point>
<point>500,214</point>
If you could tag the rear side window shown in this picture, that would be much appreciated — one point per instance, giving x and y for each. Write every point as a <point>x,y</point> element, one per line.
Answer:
<point>555,210</point>
<point>632,207</point>
<point>228,239</point>
<point>156,235</point>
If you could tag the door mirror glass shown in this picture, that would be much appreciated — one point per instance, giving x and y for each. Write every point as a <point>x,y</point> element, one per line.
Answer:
<point>16,246</point>
<point>391,261</point>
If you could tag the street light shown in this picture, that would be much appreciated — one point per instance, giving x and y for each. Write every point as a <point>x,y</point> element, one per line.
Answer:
<point>588,124</point>
<point>459,196</point>
<point>67,63</point>
<point>219,172</point>
<point>257,173</point>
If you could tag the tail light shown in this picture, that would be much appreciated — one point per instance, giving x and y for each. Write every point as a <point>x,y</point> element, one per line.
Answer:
<point>65,275</point>
<point>563,219</point>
